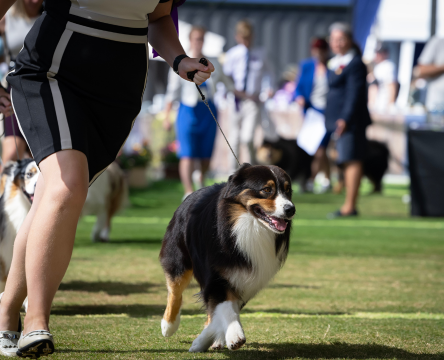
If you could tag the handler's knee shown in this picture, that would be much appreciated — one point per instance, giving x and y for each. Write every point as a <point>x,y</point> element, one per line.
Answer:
<point>70,190</point>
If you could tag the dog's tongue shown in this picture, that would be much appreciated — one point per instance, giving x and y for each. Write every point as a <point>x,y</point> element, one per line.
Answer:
<point>279,224</point>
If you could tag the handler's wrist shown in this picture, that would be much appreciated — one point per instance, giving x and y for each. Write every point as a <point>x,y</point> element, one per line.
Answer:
<point>177,61</point>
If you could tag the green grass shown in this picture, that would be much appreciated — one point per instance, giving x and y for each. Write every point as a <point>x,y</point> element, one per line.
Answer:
<point>370,288</point>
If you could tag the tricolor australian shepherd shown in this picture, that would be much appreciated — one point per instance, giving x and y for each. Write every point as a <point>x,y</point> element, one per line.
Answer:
<point>233,237</point>
<point>17,186</point>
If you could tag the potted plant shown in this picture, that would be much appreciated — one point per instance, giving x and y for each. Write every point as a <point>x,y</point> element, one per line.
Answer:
<point>170,160</point>
<point>135,163</point>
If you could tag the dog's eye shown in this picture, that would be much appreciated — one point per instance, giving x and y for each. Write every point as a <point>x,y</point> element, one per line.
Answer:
<point>267,190</point>
<point>29,175</point>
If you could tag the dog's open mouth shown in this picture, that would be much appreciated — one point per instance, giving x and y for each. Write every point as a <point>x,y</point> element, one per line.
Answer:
<point>29,196</point>
<point>275,223</point>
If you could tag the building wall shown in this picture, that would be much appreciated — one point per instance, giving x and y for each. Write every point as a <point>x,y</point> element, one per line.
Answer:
<point>285,31</point>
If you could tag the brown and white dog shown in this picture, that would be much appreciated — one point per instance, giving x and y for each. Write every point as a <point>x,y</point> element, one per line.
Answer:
<point>233,237</point>
<point>17,186</point>
<point>106,196</point>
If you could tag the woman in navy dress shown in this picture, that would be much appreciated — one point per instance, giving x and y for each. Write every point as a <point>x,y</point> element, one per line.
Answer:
<point>346,113</point>
<point>195,127</point>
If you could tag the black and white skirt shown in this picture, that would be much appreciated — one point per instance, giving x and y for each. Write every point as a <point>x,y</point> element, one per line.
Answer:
<point>78,83</point>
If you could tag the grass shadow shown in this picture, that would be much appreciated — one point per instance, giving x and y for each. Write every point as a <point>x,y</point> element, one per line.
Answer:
<point>259,351</point>
<point>290,312</point>
<point>133,310</point>
<point>134,241</point>
<point>110,287</point>
<point>292,286</point>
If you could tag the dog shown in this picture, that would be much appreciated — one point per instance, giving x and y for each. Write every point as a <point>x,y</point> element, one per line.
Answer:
<point>287,155</point>
<point>233,237</point>
<point>106,196</point>
<point>375,165</point>
<point>17,186</point>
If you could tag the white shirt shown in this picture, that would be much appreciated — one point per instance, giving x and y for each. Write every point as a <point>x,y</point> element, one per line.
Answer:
<point>318,96</point>
<point>16,29</point>
<point>433,54</point>
<point>185,91</point>
<point>123,9</point>
<point>385,74</point>
<point>341,60</point>
<point>235,66</point>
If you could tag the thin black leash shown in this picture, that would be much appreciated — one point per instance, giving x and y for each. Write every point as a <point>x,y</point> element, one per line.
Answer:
<point>190,76</point>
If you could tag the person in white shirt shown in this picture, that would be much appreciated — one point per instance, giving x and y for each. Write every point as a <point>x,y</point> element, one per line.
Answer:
<point>248,67</point>
<point>385,77</point>
<point>14,26</point>
<point>195,127</point>
<point>431,67</point>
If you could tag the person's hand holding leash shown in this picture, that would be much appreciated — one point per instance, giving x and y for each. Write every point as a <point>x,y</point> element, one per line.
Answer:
<point>203,72</point>
<point>5,102</point>
<point>341,126</point>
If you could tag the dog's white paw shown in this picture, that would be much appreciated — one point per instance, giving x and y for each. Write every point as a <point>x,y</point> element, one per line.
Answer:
<point>218,344</point>
<point>198,346</point>
<point>202,342</point>
<point>235,336</point>
<point>169,329</point>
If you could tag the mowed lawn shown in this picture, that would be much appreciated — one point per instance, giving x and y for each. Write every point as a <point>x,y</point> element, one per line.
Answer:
<point>367,288</point>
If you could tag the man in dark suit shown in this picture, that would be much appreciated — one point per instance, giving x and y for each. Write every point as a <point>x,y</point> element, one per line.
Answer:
<point>346,113</point>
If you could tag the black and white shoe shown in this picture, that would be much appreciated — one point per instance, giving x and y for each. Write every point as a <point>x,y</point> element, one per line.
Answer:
<point>35,344</point>
<point>9,340</point>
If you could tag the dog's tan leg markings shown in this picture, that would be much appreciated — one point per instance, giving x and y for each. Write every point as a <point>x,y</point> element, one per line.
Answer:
<point>171,317</point>
<point>3,275</point>
<point>3,184</point>
<point>208,320</point>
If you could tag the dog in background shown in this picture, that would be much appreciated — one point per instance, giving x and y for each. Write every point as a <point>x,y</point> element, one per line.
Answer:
<point>233,237</point>
<point>106,196</point>
<point>375,165</point>
<point>287,155</point>
<point>17,186</point>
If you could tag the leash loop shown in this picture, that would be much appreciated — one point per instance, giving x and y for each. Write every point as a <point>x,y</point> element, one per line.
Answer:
<point>190,76</point>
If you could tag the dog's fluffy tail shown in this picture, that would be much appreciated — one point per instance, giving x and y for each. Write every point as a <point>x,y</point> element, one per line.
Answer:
<point>118,197</point>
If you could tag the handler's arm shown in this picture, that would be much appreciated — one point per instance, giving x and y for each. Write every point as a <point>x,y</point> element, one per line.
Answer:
<point>163,37</point>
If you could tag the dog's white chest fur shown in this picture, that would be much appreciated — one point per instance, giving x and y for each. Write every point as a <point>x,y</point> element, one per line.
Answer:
<point>258,244</point>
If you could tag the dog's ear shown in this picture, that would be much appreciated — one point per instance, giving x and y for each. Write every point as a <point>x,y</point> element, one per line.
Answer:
<point>233,180</point>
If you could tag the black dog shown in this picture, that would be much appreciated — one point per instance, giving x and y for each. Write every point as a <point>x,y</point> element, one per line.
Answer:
<point>287,155</point>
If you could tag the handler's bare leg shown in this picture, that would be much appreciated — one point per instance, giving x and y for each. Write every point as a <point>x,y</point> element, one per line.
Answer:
<point>15,291</point>
<point>185,171</point>
<point>352,177</point>
<point>52,232</point>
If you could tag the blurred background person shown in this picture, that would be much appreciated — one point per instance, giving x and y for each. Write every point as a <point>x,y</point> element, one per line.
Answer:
<point>431,67</point>
<point>14,26</point>
<point>311,92</point>
<point>384,87</point>
<point>346,113</point>
<point>248,67</point>
<point>195,127</point>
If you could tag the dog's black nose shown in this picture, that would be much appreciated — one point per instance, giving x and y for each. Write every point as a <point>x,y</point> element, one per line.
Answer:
<point>289,210</point>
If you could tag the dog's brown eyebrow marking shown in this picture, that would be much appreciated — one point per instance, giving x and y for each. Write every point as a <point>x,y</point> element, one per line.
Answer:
<point>271,183</point>
<point>286,185</point>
